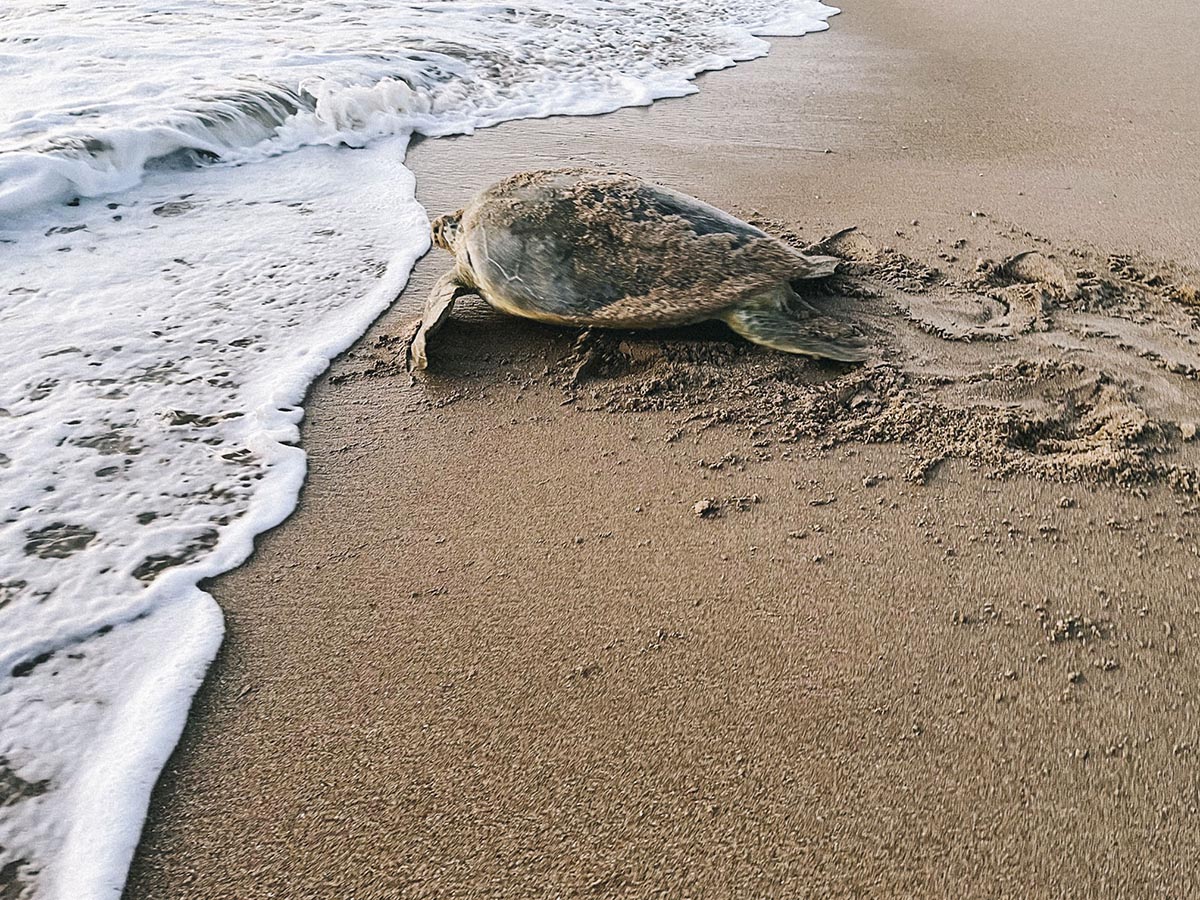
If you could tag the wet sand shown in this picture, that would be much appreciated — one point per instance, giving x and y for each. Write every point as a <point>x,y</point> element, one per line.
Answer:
<point>933,628</point>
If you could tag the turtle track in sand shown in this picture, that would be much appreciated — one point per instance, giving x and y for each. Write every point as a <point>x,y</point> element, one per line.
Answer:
<point>1068,365</point>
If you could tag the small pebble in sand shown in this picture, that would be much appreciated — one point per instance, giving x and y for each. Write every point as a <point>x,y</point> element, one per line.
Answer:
<point>1075,677</point>
<point>978,214</point>
<point>1187,430</point>
<point>587,670</point>
<point>705,508</point>
<point>1066,503</point>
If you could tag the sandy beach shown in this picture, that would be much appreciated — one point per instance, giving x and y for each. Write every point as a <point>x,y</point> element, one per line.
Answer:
<point>670,615</point>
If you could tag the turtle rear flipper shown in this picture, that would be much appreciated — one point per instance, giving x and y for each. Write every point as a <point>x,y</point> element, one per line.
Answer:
<point>797,328</point>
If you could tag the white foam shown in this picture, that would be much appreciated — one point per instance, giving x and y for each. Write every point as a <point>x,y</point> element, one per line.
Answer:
<point>159,338</point>
<point>127,357</point>
<point>87,121</point>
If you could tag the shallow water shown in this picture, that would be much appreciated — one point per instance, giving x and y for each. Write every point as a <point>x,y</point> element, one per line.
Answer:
<point>201,203</point>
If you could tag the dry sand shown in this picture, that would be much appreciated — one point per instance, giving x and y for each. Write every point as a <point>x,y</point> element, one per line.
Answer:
<point>670,615</point>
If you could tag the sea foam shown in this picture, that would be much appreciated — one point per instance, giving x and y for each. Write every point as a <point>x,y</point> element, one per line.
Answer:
<point>185,243</point>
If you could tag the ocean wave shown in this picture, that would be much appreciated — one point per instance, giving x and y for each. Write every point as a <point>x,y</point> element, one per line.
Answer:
<point>434,68</point>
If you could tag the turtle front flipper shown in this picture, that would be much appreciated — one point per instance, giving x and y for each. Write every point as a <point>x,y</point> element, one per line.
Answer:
<point>437,310</point>
<point>795,327</point>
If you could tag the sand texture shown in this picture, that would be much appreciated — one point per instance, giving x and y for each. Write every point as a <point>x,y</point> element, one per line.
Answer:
<point>667,614</point>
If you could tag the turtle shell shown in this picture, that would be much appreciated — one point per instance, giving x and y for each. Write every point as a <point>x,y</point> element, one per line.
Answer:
<point>585,246</point>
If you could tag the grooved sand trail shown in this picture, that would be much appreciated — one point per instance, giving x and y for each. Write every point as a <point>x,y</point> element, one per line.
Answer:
<point>670,615</point>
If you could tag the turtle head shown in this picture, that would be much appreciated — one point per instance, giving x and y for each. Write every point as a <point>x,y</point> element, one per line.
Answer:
<point>445,230</point>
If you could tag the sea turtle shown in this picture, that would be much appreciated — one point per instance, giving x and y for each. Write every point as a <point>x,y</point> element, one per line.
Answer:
<point>597,248</point>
